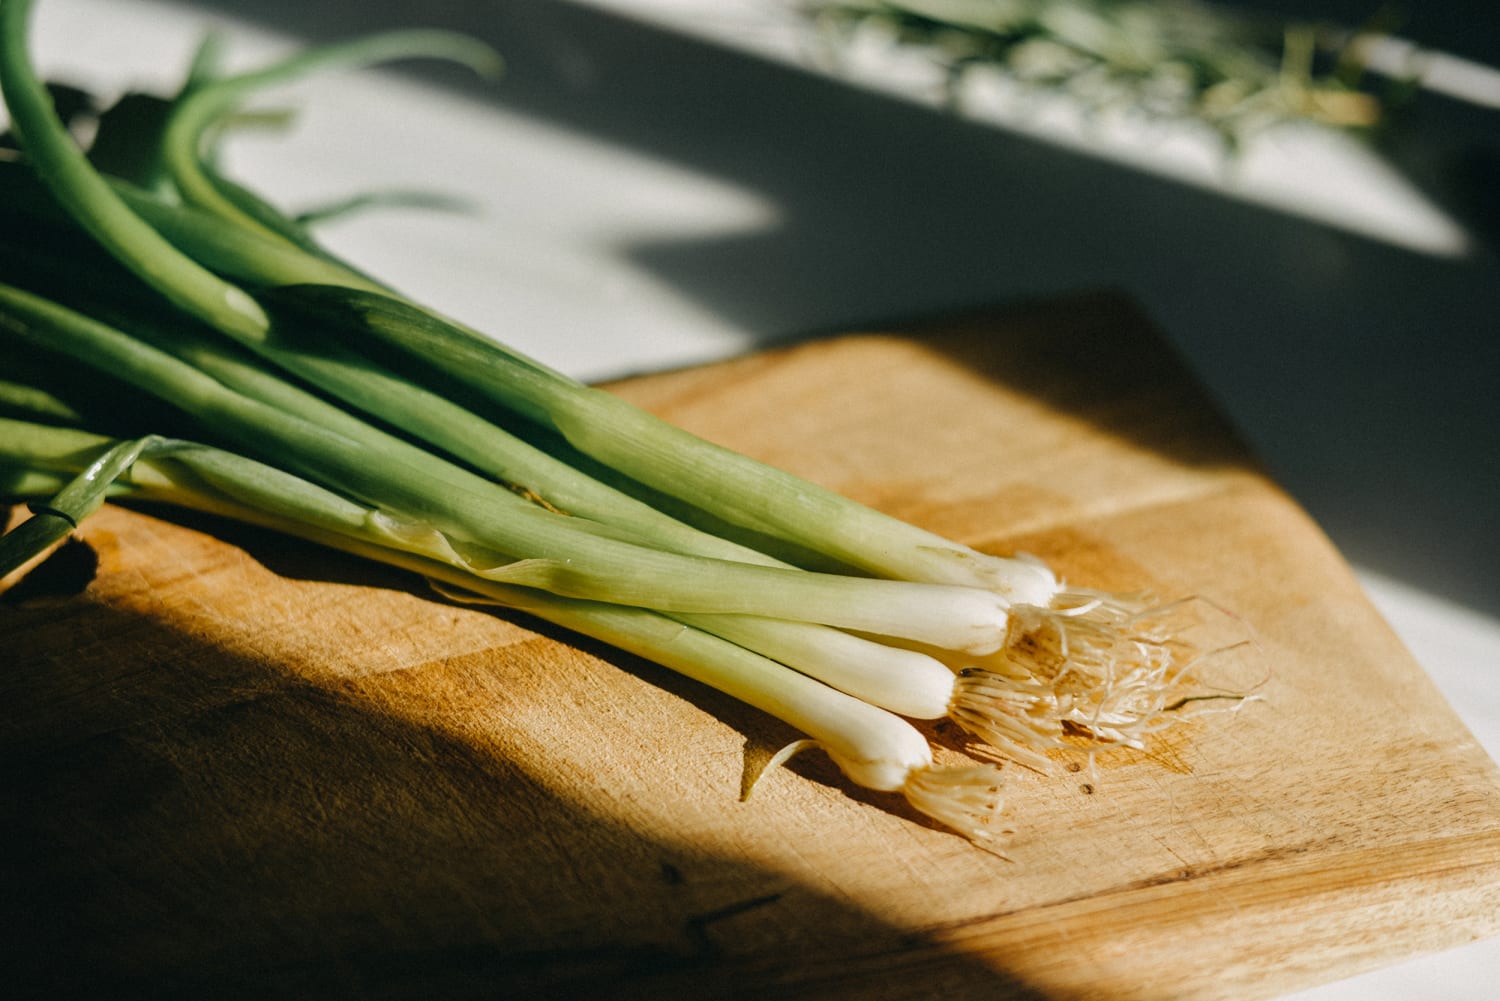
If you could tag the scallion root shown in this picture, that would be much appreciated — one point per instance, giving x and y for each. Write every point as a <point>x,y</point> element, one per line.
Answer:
<point>1112,669</point>
<point>1015,717</point>
<point>966,798</point>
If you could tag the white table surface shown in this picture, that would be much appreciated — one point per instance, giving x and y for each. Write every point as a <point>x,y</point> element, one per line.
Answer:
<point>664,182</point>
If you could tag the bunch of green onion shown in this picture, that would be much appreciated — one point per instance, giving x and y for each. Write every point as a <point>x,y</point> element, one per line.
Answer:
<point>253,375</point>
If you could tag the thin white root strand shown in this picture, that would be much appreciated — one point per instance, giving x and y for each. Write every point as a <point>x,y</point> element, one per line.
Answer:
<point>1017,718</point>
<point>966,798</point>
<point>1110,665</point>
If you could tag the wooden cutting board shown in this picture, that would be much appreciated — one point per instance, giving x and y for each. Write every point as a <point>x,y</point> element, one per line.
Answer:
<point>238,766</point>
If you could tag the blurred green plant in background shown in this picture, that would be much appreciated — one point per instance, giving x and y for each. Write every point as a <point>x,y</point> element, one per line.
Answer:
<point>1233,70</point>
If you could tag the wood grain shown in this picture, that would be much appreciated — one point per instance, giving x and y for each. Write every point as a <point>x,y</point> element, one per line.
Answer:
<point>237,766</point>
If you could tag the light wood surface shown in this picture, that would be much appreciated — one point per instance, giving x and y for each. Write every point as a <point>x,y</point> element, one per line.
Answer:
<point>238,766</point>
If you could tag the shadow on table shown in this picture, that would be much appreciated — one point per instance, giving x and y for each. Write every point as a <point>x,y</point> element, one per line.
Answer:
<point>185,821</point>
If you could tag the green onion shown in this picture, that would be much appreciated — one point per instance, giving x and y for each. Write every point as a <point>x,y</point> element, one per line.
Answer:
<point>290,390</point>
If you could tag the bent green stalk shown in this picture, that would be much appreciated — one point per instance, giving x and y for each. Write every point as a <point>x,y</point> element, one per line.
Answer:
<point>199,109</point>
<point>65,170</point>
<point>50,523</point>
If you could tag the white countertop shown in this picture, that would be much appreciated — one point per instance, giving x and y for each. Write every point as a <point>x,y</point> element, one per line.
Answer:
<point>666,182</point>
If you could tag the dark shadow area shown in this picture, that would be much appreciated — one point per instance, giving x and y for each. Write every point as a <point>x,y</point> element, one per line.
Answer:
<point>1360,371</point>
<point>65,573</point>
<point>182,821</point>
